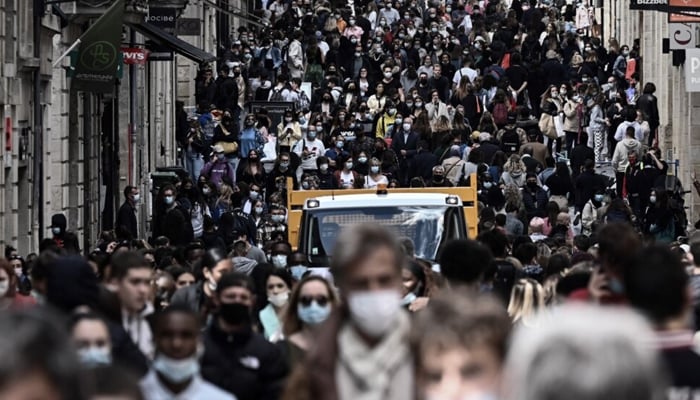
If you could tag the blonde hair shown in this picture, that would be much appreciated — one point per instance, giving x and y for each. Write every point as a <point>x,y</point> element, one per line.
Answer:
<point>526,299</point>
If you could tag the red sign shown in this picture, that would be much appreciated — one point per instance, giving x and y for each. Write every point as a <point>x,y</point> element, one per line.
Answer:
<point>134,55</point>
<point>8,133</point>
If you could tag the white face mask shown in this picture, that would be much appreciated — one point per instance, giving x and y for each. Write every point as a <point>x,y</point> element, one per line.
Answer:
<point>56,230</point>
<point>258,210</point>
<point>407,127</point>
<point>279,261</point>
<point>278,300</point>
<point>176,371</point>
<point>374,312</point>
<point>4,287</point>
<point>137,197</point>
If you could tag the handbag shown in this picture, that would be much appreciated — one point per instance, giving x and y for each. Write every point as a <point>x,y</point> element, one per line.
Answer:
<point>546,125</point>
<point>229,147</point>
<point>559,125</point>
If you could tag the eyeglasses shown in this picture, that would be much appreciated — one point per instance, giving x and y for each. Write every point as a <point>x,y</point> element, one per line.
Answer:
<point>307,300</point>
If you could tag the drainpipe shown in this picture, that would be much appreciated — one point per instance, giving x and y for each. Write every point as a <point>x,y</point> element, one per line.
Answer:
<point>38,173</point>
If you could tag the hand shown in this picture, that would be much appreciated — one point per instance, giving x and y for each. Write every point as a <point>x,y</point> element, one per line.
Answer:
<point>403,153</point>
<point>111,247</point>
<point>418,304</point>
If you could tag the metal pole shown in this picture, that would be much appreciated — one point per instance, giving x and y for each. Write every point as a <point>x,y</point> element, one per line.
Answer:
<point>38,173</point>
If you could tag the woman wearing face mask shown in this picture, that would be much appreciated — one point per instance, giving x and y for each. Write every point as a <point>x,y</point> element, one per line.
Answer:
<point>171,219</point>
<point>91,338</point>
<point>362,164</point>
<point>24,285</point>
<point>377,101</point>
<point>365,84</point>
<point>551,107</point>
<point>310,304</point>
<point>251,169</point>
<point>346,177</point>
<point>659,221</point>
<point>9,297</point>
<point>375,176</point>
<point>592,213</point>
<point>209,193</point>
<point>223,203</point>
<point>288,132</point>
<point>278,286</point>
<point>415,286</point>
<point>226,136</point>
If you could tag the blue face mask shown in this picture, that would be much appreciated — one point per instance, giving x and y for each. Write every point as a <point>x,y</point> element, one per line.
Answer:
<point>169,200</point>
<point>298,271</point>
<point>313,314</point>
<point>94,356</point>
<point>599,198</point>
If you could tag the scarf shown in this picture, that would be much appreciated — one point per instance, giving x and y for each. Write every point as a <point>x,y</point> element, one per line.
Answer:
<point>382,372</point>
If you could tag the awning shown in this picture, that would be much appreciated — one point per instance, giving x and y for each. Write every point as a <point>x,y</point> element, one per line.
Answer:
<point>178,45</point>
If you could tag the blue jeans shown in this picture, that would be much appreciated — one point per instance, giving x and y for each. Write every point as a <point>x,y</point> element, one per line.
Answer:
<point>193,164</point>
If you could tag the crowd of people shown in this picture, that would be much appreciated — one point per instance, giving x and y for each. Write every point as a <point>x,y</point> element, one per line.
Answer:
<point>581,284</point>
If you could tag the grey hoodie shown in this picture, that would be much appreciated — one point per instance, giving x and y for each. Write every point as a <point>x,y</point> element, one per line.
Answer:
<point>244,265</point>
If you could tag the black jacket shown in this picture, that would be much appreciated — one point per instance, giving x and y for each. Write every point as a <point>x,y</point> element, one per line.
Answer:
<point>244,364</point>
<point>586,186</point>
<point>126,220</point>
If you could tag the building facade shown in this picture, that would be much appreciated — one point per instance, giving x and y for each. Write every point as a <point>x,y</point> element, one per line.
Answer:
<point>84,148</point>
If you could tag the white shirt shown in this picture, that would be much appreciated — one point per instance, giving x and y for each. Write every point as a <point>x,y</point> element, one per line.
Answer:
<point>466,71</point>
<point>622,130</point>
<point>314,147</point>
<point>347,180</point>
<point>153,389</point>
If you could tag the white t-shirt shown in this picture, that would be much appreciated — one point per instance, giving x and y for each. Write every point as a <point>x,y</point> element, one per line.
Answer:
<point>370,183</point>
<point>314,147</point>
<point>347,181</point>
<point>465,71</point>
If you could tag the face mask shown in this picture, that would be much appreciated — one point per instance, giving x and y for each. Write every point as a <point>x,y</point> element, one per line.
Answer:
<point>305,185</point>
<point>258,210</point>
<point>392,111</point>
<point>532,185</point>
<point>374,169</point>
<point>438,178</point>
<point>176,371</point>
<point>311,135</point>
<point>488,185</point>
<point>277,218</point>
<point>298,271</point>
<point>254,195</point>
<point>652,199</point>
<point>18,271</point>
<point>284,165</point>
<point>280,260</point>
<point>234,313</point>
<point>387,75</point>
<point>419,104</point>
<point>339,145</point>
<point>408,299</point>
<point>137,197</point>
<point>374,312</point>
<point>56,230</point>
<point>407,127</point>
<point>563,92</point>
<point>362,160</point>
<point>206,190</point>
<point>348,165</point>
<point>278,300</point>
<point>302,120</point>
<point>220,156</point>
<point>313,314</point>
<point>358,54</point>
<point>555,94</point>
<point>599,198</point>
<point>288,119</point>
<point>94,356</point>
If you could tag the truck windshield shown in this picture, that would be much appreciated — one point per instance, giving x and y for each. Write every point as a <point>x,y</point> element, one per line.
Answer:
<point>427,226</point>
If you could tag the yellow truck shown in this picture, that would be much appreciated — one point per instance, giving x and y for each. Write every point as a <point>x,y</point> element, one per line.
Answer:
<point>428,216</point>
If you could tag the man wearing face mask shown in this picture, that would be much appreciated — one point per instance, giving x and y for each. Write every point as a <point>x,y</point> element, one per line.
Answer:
<point>326,179</point>
<point>438,178</point>
<point>58,228</point>
<point>309,149</point>
<point>126,217</point>
<point>218,170</point>
<point>175,370</point>
<point>236,358</point>
<point>363,349</point>
<point>405,145</point>
<point>273,225</point>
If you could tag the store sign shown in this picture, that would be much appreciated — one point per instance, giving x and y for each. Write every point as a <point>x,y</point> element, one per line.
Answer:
<point>654,5</point>
<point>163,18</point>
<point>692,70</point>
<point>681,36</point>
<point>135,55</point>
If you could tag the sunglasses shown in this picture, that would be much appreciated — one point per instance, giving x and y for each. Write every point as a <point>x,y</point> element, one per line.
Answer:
<point>307,300</point>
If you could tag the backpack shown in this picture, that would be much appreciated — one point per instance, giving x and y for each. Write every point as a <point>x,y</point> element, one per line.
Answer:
<point>277,95</point>
<point>510,141</point>
<point>500,114</point>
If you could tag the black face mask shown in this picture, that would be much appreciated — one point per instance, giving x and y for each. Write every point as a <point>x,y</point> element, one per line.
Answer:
<point>532,185</point>
<point>235,313</point>
<point>438,178</point>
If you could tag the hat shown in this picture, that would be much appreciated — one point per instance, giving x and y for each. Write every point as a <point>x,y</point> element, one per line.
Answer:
<point>551,54</point>
<point>217,148</point>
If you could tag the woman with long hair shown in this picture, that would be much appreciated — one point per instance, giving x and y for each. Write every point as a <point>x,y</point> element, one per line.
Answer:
<point>251,170</point>
<point>551,105</point>
<point>561,186</point>
<point>526,300</point>
<point>224,203</point>
<point>513,172</point>
<point>597,129</point>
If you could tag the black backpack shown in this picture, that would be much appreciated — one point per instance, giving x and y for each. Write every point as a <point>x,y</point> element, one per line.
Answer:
<point>510,141</point>
<point>187,228</point>
<point>277,95</point>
